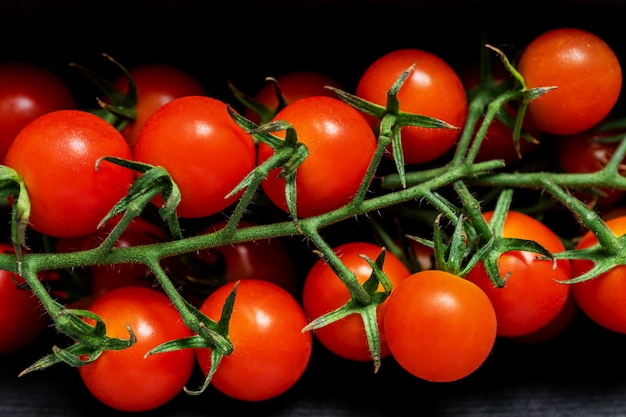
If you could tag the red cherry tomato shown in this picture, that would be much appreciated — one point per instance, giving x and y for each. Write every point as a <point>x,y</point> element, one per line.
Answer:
<point>440,327</point>
<point>601,298</point>
<point>125,380</point>
<point>28,91</point>
<point>270,350</point>
<point>341,145</point>
<point>200,145</point>
<point>586,72</point>
<point>433,89</point>
<point>324,292</point>
<point>531,282</point>
<point>293,86</point>
<point>56,156</point>
<point>156,85</point>
<point>22,317</point>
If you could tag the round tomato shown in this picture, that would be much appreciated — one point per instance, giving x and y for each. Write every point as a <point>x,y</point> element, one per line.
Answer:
<point>432,89</point>
<point>555,327</point>
<point>28,91</point>
<point>341,146</point>
<point>440,327</point>
<point>22,317</point>
<point>267,260</point>
<point>586,72</point>
<point>270,350</point>
<point>587,152</point>
<point>323,292</point>
<point>156,85</point>
<point>601,298</point>
<point>531,296</point>
<point>124,379</point>
<point>56,156</point>
<point>293,86</point>
<point>204,150</point>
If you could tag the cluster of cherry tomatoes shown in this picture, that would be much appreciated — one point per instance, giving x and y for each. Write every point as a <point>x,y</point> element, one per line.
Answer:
<point>310,152</point>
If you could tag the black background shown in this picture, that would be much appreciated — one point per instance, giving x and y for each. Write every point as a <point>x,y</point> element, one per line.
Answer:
<point>583,372</point>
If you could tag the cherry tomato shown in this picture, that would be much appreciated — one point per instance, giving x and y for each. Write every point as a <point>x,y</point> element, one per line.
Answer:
<point>267,260</point>
<point>555,327</point>
<point>587,152</point>
<point>601,298</point>
<point>586,72</point>
<point>531,282</point>
<point>22,317</point>
<point>440,327</point>
<point>104,278</point>
<point>156,85</point>
<point>270,350</point>
<point>341,145</point>
<point>124,379</point>
<point>433,89</point>
<point>293,86</point>
<point>56,156</point>
<point>324,292</point>
<point>28,91</point>
<point>200,145</point>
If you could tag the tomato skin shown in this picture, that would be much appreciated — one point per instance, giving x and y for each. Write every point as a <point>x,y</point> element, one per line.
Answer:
<point>440,327</point>
<point>56,156</point>
<point>270,350</point>
<point>585,152</point>
<point>433,89</point>
<point>22,317</point>
<point>267,260</point>
<point>156,85</point>
<point>601,298</point>
<point>585,70</point>
<point>28,91</point>
<point>200,145</point>
<point>293,85</point>
<point>323,292</point>
<point>341,145</point>
<point>154,380</point>
<point>531,283</point>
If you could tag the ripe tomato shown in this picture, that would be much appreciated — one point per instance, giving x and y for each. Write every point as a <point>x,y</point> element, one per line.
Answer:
<point>433,89</point>
<point>341,145</point>
<point>267,260</point>
<point>28,91</point>
<point>22,317</point>
<point>293,85</point>
<point>531,297</point>
<point>270,350</point>
<point>601,298</point>
<point>56,156</point>
<point>323,292</point>
<point>104,278</point>
<point>440,327</point>
<point>156,85</point>
<point>586,72</point>
<point>200,145</point>
<point>124,379</point>
<point>587,152</point>
<point>555,327</point>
